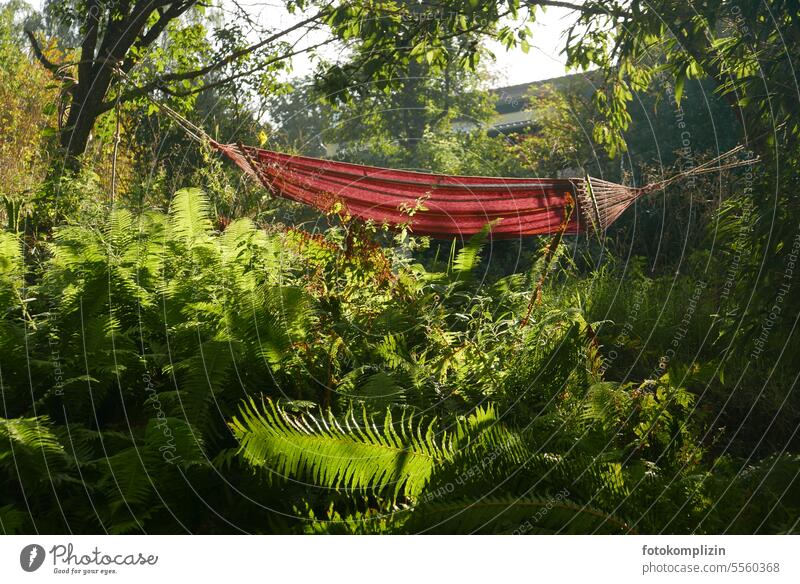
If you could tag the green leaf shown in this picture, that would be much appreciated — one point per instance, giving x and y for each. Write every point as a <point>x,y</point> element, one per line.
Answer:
<point>680,81</point>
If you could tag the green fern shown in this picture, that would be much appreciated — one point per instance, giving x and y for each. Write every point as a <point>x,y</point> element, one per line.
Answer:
<point>351,454</point>
<point>10,256</point>
<point>189,215</point>
<point>468,257</point>
<point>33,467</point>
<point>32,440</point>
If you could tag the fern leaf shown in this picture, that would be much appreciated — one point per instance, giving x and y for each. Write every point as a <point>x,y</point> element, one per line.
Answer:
<point>350,454</point>
<point>469,256</point>
<point>189,214</point>
<point>10,255</point>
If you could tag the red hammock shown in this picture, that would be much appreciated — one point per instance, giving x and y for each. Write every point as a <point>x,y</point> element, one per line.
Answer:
<point>434,204</point>
<point>446,206</point>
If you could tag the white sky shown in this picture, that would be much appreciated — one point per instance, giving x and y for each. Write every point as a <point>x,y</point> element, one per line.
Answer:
<point>543,60</point>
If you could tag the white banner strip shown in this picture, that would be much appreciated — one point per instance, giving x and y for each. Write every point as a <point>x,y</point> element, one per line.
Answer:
<point>390,559</point>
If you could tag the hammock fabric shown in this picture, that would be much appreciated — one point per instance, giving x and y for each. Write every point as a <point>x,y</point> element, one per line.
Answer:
<point>434,204</point>
<point>446,206</point>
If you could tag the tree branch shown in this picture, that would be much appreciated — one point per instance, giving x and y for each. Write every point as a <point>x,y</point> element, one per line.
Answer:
<point>592,9</point>
<point>174,11</point>
<point>241,74</point>
<point>121,34</point>
<point>37,52</point>
<point>160,82</point>
<point>243,52</point>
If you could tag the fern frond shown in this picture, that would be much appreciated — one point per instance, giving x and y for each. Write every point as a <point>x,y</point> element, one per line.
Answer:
<point>189,214</point>
<point>469,256</point>
<point>30,434</point>
<point>376,388</point>
<point>351,454</point>
<point>30,452</point>
<point>10,255</point>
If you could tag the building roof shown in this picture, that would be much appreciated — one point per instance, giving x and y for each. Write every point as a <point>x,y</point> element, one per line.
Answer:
<point>514,98</point>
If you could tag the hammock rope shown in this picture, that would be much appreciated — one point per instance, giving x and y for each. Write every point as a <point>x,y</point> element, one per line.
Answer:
<point>444,205</point>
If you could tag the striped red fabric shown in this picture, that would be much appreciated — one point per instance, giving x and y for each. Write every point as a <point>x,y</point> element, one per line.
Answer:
<point>434,204</point>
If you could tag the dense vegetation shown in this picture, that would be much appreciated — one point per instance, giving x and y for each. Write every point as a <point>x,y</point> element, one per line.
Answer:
<point>181,353</point>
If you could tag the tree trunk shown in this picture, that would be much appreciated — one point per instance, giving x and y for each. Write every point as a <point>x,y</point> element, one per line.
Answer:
<point>96,67</point>
<point>75,135</point>
<point>83,112</point>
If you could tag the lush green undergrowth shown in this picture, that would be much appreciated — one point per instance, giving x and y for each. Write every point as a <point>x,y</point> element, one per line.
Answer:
<point>193,370</point>
<point>161,376</point>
